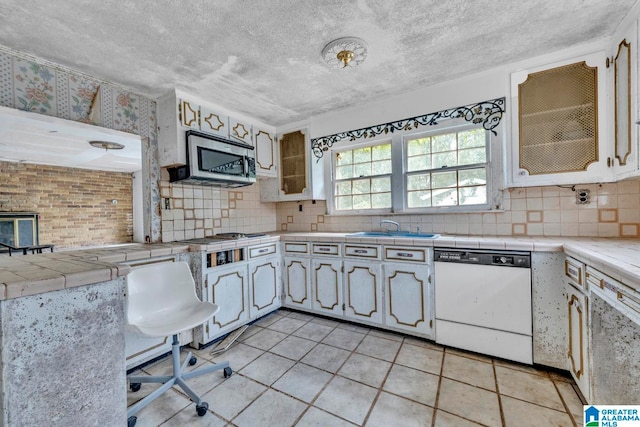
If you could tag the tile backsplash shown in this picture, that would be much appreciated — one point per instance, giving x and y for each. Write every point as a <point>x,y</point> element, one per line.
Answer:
<point>189,211</point>
<point>613,211</point>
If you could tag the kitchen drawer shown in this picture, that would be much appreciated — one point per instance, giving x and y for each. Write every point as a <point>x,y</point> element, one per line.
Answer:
<point>574,270</point>
<point>620,295</point>
<point>331,249</point>
<point>261,251</point>
<point>397,253</point>
<point>361,251</point>
<point>296,248</point>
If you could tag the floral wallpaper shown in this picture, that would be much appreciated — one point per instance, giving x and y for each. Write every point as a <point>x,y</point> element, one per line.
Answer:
<point>45,88</point>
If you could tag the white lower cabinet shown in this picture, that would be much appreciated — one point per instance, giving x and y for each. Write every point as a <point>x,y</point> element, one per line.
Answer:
<point>228,288</point>
<point>363,291</point>
<point>295,278</point>
<point>326,286</point>
<point>408,290</point>
<point>245,289</point>
<point>578,325</point>
<point>359,283</point>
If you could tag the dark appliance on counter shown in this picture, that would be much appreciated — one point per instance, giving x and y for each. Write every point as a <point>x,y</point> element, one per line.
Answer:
<point>216,161</point>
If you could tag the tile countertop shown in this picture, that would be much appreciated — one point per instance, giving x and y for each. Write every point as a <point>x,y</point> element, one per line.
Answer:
<point>34,274</point>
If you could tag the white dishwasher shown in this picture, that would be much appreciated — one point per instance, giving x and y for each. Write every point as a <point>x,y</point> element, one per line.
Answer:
<point>483,302</point>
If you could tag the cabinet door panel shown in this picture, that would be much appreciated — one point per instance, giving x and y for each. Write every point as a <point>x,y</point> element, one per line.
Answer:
<point>188,114</point>
<point>296,282</point>
<point>240,130</point>
<point>327,286</point>
<point>407,294</point>
<point>264,292</point>
<point>363,291</point>
<point>228,290</point>
<point>578,364</point>
<point>214,123</point>
<point>265,159</point>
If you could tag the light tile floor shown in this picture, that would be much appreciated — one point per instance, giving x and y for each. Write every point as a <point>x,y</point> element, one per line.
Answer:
<point>292,368</point>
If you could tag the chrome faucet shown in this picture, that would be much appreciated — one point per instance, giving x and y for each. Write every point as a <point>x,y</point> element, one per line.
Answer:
<point>386,221</point>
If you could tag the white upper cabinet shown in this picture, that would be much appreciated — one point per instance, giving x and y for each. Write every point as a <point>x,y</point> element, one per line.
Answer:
<point>265,153</point>
<point>560,128</point>
<point>300,175</point>
<point>178,113</point>
<point>622,61</point>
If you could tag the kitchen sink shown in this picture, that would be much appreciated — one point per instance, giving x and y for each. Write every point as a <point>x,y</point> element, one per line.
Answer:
<point>407,234</point>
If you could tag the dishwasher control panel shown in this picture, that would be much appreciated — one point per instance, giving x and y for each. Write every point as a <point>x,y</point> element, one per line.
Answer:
<point>497,258</point>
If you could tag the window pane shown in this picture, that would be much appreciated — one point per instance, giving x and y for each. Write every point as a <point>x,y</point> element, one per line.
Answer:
<point>416,147</point>
<point>447,158</point>
<point>362,155</point>
<point>472,156</point>
<point>362,202</point>
<point>363,169</point>
<point>361,186</point>
<point>419,182</point>
<point>445,197</point>
<point>418,163</point>
<point>381,201</point>
<point>472,138</point>
<point>381,168</point>
<point>443,180</point>
<point>344,172</point>
<point>419,199</point>
<point>472,177</point>
<point>445,142</point>
<point>344,158</point>
<point>343,188</point>
<point>381,185</point>
<point>381,152</point>
<point>473,195</point>
<point>344,203</point>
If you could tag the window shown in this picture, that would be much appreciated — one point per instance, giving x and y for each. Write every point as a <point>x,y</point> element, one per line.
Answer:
<point>363,178</point>
<point>448,168</point>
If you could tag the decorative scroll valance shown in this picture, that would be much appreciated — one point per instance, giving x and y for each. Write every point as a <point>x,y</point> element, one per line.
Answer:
<point>489,113</point>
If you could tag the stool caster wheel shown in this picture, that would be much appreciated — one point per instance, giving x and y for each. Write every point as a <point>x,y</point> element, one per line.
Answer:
<point>131,421</point>
<point>202,409</point>
<point>135,387</point>
<point>227,372</point>
<point>193,361</point>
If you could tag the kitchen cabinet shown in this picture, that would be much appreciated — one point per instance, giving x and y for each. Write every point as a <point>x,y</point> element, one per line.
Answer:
<point>228,287</point>
<point>265,153</point>
<point>179,112</point>
<point>363,283</point>
<point>326,278</point>
<point>300,175</point>
<point>622,64</point>
<point>560,132</point>
<point>264,280</point>
<point>577,325</point>
<point>408,290</point>
<point>296,275</point>
<point>240,131</point>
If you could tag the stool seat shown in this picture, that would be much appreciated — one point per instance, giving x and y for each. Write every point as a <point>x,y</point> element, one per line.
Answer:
<point>165,323</point>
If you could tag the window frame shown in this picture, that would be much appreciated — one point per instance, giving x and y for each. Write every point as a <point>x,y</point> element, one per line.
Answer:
<point>399,194</point>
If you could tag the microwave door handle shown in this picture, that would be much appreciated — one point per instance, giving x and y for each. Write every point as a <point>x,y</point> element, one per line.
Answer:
<point>246,166</point>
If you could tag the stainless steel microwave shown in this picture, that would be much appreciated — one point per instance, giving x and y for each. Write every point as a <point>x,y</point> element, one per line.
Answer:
<point>216,161</point>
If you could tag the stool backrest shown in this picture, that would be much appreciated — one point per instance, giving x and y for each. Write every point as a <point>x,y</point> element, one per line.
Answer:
<point>154,289</point>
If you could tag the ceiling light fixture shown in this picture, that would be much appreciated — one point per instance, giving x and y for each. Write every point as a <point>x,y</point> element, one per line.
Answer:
<point>345,52</point>
<point>107,145</point>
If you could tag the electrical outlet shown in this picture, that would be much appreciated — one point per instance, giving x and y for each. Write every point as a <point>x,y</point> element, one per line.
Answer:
<point>583,196</point>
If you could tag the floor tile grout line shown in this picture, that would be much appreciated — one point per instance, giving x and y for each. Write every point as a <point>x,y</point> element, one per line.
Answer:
<point>566,407</point>
<point>499,395</point>
<point>437,399</point>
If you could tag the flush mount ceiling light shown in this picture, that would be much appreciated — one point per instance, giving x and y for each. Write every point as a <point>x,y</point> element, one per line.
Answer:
<point>107,145</point>
<point>346,52</point>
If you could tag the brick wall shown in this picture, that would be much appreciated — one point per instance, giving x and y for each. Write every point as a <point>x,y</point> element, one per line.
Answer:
<point>75,205</point>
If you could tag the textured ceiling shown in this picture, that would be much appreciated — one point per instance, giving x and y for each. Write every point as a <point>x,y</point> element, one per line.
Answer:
<point>262,58</point>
